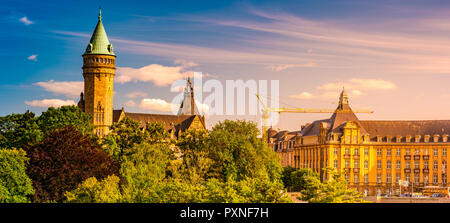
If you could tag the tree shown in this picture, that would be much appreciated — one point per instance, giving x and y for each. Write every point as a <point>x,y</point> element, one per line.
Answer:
<point>63,160</point>
<point>19,130</point>
<point>15,185</point>
<point>94,191</point>
<point>286,176</point>
<point>299,178</point>
<point>333,190</point>
<point>143,171</point>
<point>56,118</point>
<point>127,133</point>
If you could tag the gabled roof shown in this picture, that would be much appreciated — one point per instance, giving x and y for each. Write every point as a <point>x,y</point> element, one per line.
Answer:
<point>99,43</point>
<point>343,114</point>
<point>178,122</point>
<point>404,128</point>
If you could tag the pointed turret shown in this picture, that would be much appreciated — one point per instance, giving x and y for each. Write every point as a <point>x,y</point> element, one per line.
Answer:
<point>99,43</point>
<point>188,106</point>
<point>343,114</point>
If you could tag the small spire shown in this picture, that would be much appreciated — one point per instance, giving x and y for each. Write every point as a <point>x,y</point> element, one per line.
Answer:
<point>99,13</point>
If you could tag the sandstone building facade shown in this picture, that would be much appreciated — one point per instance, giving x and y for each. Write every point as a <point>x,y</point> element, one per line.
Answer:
<point>373,155</point>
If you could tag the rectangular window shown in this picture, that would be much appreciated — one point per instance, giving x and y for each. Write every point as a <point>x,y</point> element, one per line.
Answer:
<point>388,178</point>
<point>416,178</point>
<point>366,178</point>
<point>408,178</point>
<point>378,178</point>
<point>397,178</point>
<point>347,164</point>
<point>408,152</point>
<point>378,164</point>
<point>435,165</point>
<point>435,178</point>
<point>388,152</point>
<point>356,164</point>
<point>378,152</point>
<point>444,152</point>
<point>335,164</point>
<point>388,164</point>
<point>398,164</point>
<point>366,151</point>
<point>398,152</point>
<point>416,165</point>
<point>425,179</point>
<point>346,151</point>
<point>366,164</point>
<point>407,165</point>
<point>336,151</point>
<point>425,164</point>
<point>417,152</point>
<point>435,152</point>
<point>356,151</point>
<point>346,177</point>
<point>356,178</point>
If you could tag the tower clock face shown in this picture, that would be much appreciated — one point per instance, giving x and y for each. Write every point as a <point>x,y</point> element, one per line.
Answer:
<point>110,48</point>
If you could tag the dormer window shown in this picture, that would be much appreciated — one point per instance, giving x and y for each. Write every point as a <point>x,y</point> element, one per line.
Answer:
<point>426,138</point>
<point>444,138</point>
<point>388,138</point>
<point>417,138</point>
<point>436,138</point>
<point>408,138</point>
<point>379,138</point>
<point>398,138</point>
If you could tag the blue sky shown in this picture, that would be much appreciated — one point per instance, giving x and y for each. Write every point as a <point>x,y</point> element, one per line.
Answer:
<point>392,56</point>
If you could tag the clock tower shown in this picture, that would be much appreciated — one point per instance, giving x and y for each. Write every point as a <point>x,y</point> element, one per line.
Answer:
<point>98,72</point>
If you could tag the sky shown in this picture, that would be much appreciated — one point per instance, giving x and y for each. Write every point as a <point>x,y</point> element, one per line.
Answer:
<point>392,57</point>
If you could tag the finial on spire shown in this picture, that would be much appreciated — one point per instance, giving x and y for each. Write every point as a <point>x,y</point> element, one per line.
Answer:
<point>100,13</point>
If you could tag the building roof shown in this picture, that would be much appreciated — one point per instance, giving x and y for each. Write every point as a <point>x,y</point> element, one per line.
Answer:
<point>99,43</point>
<point>404,128</point>
<point>178,122</point>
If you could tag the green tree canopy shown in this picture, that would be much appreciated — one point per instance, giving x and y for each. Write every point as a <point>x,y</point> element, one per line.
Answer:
<point>333,190</point>
<point>19,130</point>
<point>94,191</point>
<point>15,185</point>
<point>63,160</point>
<point>56,118</point>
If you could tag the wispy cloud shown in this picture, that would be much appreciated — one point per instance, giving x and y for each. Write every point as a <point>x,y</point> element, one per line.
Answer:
<point>287,66</point>
<point>136,94</point>
<point>45,103</point>
<point>71,89</point>
<point>33,57</point>
<point>355,87</point>
<point>25,21</point>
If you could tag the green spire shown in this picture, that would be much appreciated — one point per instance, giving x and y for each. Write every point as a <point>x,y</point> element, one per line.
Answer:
<point>99,43</point>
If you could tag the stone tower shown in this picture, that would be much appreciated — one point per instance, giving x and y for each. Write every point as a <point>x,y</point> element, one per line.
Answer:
<point>188,106</point>
<point>98,72</point>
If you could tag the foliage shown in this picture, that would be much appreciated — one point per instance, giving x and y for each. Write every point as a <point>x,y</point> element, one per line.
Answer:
<point>143,170</point>
<point>19,130</point>
<point>286,176</point>
<point>127,133</point>
<point>63,160</point>
<point>333,190</point>
<point>15,185</point>
<point>94,191</point>
<point>299,178</point>
<point>238,152</point>
<point>56,118</point>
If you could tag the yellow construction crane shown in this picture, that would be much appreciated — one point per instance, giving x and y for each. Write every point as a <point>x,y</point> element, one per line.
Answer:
<point>267,110</point>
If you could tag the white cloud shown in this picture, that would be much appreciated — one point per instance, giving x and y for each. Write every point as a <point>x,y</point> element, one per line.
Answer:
<point>158,74</point>
<point>359,84</point>
<point>185,63</point>
<point>354,88</point>
<point>71,89</point>
<point>25,21</point>
<point>130,103</point>
<point>49,103</point>
<point>154,104</point>
<point>303,95</point>
<point>33,57</point>
<point>136,94</point>
<point>287,66</point>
